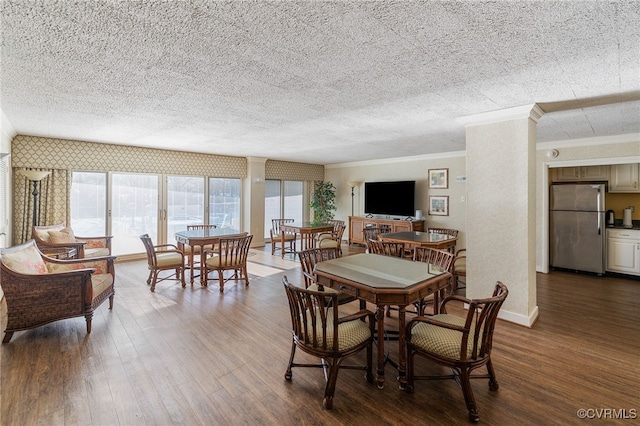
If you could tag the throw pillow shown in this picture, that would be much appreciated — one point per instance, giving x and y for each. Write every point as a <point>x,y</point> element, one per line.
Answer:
<point>63,236</point>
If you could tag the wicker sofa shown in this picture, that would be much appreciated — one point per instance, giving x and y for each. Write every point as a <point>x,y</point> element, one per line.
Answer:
<point>59,236</point>
<point>40,290</point>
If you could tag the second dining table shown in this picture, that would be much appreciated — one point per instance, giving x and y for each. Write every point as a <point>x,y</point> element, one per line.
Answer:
<point>422,239</point>
<point>307,231</point>
<point>199,238</point>
<point>384,280</point>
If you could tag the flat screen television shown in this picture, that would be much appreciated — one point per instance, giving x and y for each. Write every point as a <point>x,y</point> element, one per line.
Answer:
<point>390,198</point>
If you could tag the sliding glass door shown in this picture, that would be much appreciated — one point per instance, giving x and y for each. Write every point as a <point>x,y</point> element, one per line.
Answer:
<point>134,211</point>
<point>277,206</point>
<point>127,205</point>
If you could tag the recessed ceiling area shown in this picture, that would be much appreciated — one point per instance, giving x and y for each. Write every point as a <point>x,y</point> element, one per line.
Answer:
<point>313,81</point>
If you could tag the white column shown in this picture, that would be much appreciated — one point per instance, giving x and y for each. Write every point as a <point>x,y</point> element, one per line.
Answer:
<point>254,200</point>
<point>501,239</point>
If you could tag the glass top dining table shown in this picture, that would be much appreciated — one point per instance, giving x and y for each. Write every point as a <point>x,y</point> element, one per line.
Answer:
<point>199,238</point>
<point>307,230</point>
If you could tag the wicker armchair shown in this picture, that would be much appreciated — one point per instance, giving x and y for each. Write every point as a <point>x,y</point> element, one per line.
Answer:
<point>56,237</point>
<point>333,239</point>
<point>230,254</point>
<point>308,260</point>
<point>40,290</point>
<point>277,234</point>
<point>318,329</point>
<point>462,344</point>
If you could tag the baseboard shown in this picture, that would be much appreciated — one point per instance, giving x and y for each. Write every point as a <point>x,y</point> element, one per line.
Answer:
<point>519,319</point>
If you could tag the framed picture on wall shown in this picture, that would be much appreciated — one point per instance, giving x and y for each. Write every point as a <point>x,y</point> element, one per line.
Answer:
<point>439,205</point>
<point>439,178</point>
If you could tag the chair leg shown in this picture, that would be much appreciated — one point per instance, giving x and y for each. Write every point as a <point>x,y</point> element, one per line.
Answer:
<point>221,278</point>
<point>7,336</point>
<point>88,318</point>
<point>184,284</point>
<point>288,374</point>
<point>493,383</point>
<point>154,281</point>
<point>149,277</point>
<point>469,400</point>
<point>245,274</point>
<point>111,301</point>
<point>330,389</point>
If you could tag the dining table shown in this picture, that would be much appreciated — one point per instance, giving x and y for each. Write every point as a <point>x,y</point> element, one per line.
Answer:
<point>385,280</point>
<point>198,239</point>
<point>423,239</point>
<point>307,230</point>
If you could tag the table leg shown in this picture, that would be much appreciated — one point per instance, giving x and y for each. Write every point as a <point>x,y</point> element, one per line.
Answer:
<point>381,357</point>
<point>282,243</point>
<point>402,355</point>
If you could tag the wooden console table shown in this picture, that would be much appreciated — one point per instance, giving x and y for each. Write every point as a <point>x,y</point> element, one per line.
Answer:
<point>357,224</point>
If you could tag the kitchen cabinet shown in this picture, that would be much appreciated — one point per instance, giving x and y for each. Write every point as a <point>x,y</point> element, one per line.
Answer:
<point>624,178</point>
<point>358,223</point>
<point>584,173</point>
<point>623,251</point>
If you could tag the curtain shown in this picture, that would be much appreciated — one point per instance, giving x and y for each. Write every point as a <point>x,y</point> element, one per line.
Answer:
<point>53,202</point>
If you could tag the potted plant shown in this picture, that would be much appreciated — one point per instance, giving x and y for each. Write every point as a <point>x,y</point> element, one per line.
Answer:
<point>323,201</point>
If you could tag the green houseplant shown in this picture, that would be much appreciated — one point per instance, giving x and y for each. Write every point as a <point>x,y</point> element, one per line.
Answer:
<point>323,201</point>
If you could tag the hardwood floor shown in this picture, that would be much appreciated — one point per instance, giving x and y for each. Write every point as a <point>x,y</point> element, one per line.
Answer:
<point>195,356</point>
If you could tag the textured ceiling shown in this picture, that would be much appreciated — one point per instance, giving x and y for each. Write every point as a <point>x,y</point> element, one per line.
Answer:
<point>317,82</point>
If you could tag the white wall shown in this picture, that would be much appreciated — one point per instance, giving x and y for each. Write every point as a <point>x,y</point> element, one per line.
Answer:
<point>407,168</point>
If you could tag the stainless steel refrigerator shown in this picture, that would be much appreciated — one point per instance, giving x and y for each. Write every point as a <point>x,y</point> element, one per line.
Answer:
<point>577,226</point>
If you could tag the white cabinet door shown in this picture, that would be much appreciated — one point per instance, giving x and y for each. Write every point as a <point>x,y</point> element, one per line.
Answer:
<point>585,173</point>
<point>594,173</point>
<point>570,174</point>
<point>624,178</point>
<point>623,256</point>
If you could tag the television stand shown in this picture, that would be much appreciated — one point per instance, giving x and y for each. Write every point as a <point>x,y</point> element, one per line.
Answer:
<point>357,225</point>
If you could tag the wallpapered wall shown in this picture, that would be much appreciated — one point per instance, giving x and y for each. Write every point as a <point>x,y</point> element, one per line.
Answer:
<point>50,153</point>
<point>293,171</point>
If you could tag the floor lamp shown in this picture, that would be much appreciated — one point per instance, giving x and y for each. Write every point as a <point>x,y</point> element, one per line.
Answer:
<point>35,176</point>
<point>353,185</point>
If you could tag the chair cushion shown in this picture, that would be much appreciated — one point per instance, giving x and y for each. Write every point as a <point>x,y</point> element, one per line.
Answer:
<point>439,340</point>
<point>460,266</point>
<point>64,235</point>
<point>328,243</point>
<point>100,282</point>
<point>287,237</point>
<point>350,333</point>
<point>27,261</point>
<point>215,262</point>
<point>196,249</point>
<point>96,252</point>
<point>168,260</point>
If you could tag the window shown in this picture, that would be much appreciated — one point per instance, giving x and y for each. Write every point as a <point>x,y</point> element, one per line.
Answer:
<point>278,207</point>
<point>134,211</point>
<point>224,202</point>
<point>89,203</point>
<point>185,203</point>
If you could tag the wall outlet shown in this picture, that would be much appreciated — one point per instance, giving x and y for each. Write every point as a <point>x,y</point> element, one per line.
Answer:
<point>632,208</point>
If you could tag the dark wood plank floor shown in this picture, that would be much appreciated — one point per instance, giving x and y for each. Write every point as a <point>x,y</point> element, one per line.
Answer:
<point>195,356</point>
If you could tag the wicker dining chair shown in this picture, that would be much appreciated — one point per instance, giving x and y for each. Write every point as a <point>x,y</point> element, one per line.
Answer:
<point>463,344</point>
<point>290,238</point>
<point>163,257</point>
<point>308,260</point>
<point>333,239</point>
<point>230,254</point>
<point>318,329</point>
<point>196,250</point>
<point>443,259</point>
